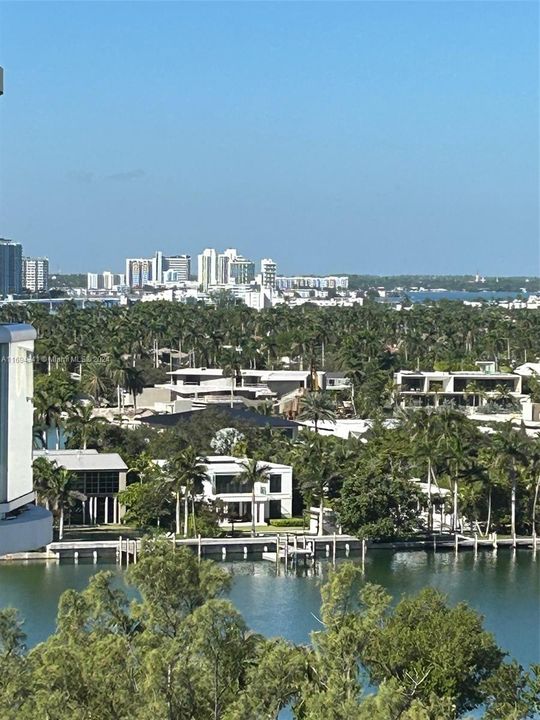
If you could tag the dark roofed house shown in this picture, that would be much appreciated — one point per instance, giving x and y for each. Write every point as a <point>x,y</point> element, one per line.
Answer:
<point>238,414</point>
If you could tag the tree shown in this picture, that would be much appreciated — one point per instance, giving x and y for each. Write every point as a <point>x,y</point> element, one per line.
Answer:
<point>188,473</point>
<point>60,494</point>
<point>80,422</point>
<point>317,406</point>
<point>510,448</point>
<point>253,472</point>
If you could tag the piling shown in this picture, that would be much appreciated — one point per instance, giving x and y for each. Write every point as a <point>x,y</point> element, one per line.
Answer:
<point>94,555</point>
<point>245,552</point>
<point>347,549</point>
<point>199,547</point>
<point>119,551</point>
<point>223,553</point>
<point>456,542</point>
<point>75,557</point>
<point>334,550</point>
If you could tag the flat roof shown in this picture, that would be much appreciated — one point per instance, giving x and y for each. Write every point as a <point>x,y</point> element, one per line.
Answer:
<point>83,460</point>
<point>16,332</point>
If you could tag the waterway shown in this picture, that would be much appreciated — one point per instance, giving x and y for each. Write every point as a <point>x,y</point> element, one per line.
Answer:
<point>504,587</point>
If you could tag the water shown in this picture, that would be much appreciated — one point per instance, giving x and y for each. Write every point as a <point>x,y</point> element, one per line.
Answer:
<point>505,588</point>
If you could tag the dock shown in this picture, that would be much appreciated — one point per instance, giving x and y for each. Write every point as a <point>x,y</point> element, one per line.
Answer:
<point>287,548</point>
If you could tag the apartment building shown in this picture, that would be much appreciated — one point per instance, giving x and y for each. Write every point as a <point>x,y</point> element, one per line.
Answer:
<point>35,274</point>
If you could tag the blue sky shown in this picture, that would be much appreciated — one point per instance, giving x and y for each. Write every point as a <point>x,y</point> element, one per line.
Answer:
<point>369,137</point>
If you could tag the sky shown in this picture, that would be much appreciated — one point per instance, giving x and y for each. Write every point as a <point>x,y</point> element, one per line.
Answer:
<point>357,137</point>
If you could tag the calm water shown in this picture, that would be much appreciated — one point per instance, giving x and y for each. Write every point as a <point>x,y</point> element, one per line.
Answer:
<point>505,588</point>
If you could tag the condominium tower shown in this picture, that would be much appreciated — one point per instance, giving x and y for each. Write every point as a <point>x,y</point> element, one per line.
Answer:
<point>10,267</point>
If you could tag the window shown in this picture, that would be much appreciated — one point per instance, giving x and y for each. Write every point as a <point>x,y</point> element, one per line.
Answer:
<point>229,484</point>
<point>96,483</point>
<point>275,483</point>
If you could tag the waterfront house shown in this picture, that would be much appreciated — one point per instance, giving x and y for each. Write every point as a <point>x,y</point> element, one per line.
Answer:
<point>273,497</point>
<point>99,476</point>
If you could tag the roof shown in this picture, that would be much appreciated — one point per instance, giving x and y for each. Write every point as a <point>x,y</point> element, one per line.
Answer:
<point>250,417</point>
<point>82,460</point>
<point>15,332</point>
<point>228,463</point>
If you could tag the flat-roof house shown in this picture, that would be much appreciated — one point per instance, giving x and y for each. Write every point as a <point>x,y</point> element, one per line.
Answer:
<point>99,476</point>
<point>211,385</point>
<point>468,387</point>
<point>273,497</point>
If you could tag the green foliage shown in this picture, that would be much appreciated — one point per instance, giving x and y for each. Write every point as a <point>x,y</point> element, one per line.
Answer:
<point>182,652</point>
<point>287,522</point>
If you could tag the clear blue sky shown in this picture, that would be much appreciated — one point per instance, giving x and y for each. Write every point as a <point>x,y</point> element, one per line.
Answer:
<point>369,137</point>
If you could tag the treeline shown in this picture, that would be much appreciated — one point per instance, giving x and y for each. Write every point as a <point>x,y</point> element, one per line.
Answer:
<point>114,347</point>
<point>448,282</point>
<point>183,652</point>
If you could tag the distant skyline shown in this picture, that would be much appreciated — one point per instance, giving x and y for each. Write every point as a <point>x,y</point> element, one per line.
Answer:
<point>358,137</point>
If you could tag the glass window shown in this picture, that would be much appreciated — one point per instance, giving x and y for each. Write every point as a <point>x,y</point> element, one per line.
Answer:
<point>228,484</point>
<point>275,483</point>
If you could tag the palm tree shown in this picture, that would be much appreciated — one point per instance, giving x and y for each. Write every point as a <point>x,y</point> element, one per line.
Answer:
<point>316,406</point>
<point>253,472</point>
<point>230,363</point>
<point>510,447</point>
<point>317,472</point>
<point>95,380</point>
<point>42,471</point>
<point>55,489</point>
<point>80,422</point>
<point>188,472</point>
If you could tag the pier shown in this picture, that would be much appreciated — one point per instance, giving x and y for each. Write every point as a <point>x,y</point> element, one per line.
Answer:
<point>284,548</point>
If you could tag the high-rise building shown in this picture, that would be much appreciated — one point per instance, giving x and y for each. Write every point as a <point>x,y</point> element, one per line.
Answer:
<point>23,526</point>
<point>35,274</point>
<point>223,262</point>
<point>139,272</point>
<point>241,270</point>
<point>180,264</point>
<point>268,273</point>
<point>10,267</point>
<point>207,268</point>
<point>106,280</point>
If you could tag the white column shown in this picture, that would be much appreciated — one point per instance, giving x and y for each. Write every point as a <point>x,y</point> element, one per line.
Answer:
<point>94,511</point>
<point>106,519</point>
<point>84,512</point>
<point>115,511</point>
<point>260,520</point>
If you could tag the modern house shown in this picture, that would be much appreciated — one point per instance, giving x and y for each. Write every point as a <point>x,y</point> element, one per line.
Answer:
<point>99,476</point>
<point>465,388</point>
<point>273,498</point>
<point>211,385</point>
<point>23,526</point>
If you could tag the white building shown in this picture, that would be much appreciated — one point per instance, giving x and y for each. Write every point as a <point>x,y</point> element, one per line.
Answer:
<point>139,271</point>
<point>207,268</point>
<point>35,274</point>
<point>315,282</point>
<point>178,264</point>
<point>273,497</point>
<point>268,273</point>
<point>468,387</point>
<point>210,385</point>
<point>23,526</point>
<point>106,280</point>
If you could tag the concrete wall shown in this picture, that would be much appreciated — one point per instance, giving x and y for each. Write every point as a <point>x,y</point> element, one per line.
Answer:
<point>30,530</point>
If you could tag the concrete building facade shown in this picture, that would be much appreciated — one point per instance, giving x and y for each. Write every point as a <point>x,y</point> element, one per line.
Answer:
<point>23,526</point>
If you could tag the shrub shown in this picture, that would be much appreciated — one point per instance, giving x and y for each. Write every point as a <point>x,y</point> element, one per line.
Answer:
<point>287,522</point>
